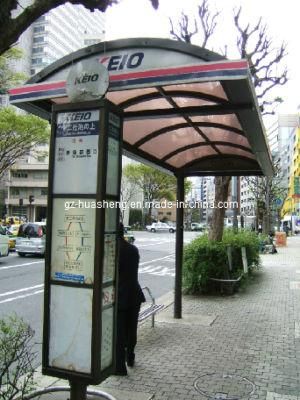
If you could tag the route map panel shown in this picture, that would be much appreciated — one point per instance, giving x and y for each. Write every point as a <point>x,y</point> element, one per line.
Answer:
<point>73,242</point>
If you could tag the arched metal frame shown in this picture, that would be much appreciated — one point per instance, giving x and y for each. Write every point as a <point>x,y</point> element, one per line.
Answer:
<point>188,86</point>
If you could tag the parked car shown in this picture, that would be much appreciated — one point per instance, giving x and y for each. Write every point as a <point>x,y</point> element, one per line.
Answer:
<point>4,243</point>
<point>31,239</point>
<point>160,227</point>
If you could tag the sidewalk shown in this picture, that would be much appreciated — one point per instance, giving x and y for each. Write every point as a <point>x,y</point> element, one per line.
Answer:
<point>246,346</point>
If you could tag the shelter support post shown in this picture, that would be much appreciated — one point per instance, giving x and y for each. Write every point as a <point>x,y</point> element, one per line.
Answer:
<point>179,248</point>
<point>78,390</point>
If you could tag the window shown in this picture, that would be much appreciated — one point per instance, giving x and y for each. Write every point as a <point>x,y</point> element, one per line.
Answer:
<point>40,28</point>
<point>37,60</point>
<point>14,191</point>
<point>44,192</point>
<point>38,39</point>
<point>37,50</point>
<point>19,174</point>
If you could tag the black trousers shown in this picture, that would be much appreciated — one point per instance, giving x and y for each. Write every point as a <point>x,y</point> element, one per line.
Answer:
<point>127,322</point>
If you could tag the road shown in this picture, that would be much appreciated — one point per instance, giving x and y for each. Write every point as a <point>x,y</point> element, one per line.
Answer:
<point>21,279</point>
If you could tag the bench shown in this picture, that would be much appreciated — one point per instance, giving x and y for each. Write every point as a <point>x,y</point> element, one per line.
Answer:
<point>227,286</point>
<point>151,309</point>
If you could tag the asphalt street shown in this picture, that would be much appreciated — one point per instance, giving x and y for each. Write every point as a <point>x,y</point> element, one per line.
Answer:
<point>21,279</point>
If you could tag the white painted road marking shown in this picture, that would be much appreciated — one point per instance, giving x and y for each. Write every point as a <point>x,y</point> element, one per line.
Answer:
<point>157,259</point>
<point>20,265</point>
<point>158,270</point>
<point>21,296</point>
<point>20,290</point>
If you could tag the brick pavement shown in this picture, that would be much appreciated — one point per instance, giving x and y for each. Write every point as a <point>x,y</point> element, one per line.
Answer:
<point>245,346</point>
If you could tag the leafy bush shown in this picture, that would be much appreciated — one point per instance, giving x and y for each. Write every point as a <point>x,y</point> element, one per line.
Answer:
<point>16,358</point>
<point>204,259</point>
<point>249,240</point>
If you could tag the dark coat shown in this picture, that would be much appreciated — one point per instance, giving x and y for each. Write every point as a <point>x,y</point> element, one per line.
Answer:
<point>130,294</point>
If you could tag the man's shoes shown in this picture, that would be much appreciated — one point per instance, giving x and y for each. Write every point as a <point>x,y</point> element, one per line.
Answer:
<point>130,359</point>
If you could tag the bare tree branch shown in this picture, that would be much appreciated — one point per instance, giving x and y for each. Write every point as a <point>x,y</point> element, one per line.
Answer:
<point>183,26</point>
<point>208,21</point>
<point>255,46</point>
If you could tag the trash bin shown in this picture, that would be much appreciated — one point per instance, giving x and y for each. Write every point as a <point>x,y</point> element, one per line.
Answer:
<point>280,239</point>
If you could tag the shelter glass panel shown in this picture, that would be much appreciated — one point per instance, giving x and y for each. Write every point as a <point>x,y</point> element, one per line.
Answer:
<point>190,155</point>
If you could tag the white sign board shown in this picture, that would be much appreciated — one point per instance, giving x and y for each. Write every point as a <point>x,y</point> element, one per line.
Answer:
<point>76,152</point>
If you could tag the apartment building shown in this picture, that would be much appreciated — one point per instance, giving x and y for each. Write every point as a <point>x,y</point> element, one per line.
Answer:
<point>27,186</point>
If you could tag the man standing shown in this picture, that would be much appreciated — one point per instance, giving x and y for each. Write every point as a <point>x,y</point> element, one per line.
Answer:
<point>130,297</point>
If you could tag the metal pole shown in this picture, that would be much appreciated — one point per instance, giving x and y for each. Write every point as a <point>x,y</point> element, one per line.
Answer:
<point>179,248</point>
<point>78,390</point>
<point>234,197</point>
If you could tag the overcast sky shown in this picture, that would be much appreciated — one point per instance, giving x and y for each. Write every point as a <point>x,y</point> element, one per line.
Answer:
<point>136,18</point>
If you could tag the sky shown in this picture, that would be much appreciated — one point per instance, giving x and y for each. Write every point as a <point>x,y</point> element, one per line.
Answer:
<point>137,18</point>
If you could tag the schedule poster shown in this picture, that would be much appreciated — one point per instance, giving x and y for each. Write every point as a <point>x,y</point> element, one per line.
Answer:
<point>76,152</point>
<point>73,241</point>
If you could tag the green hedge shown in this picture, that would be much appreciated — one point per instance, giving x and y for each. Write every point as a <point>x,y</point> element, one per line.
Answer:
<point>204,259</point>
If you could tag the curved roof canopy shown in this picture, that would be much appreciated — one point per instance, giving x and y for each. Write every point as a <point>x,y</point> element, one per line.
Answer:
<point>186,109</point>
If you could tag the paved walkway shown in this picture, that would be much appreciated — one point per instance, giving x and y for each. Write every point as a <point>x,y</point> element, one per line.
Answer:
<point>246,346</point>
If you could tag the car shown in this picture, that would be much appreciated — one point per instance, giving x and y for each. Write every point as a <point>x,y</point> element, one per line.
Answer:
<point>196,226</point>
<point>129,237</point>
<point>4,243</point>
<point>160,227</point>
<point>31,239</point>
<point>13,220</point>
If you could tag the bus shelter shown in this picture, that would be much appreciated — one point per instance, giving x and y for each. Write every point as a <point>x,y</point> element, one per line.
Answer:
<point>185,110</point>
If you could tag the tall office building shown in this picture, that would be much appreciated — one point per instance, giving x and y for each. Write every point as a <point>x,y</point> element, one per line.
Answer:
<point>61,31</point>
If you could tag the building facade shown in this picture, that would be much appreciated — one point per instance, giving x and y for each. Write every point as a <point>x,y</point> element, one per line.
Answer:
<point>61,31</point>
<point>291,205</point>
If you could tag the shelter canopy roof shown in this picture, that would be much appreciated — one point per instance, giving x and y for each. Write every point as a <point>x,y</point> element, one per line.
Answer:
<point>186,109</point>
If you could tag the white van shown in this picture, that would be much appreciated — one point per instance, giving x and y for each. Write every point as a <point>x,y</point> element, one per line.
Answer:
<point>4,243</point>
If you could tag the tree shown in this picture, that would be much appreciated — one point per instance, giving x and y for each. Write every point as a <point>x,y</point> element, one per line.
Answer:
<point>18,135</point>
<point>127,193</point>
<point>268,194</point>
<point>253,44</point>
<point>9,78</point>
<point>154,184</point>
<point>11,27</point>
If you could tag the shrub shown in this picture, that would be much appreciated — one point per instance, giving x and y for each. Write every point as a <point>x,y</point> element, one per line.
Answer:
<point>16,358</point>
<point>204,259</point>
<point>247,239</point>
